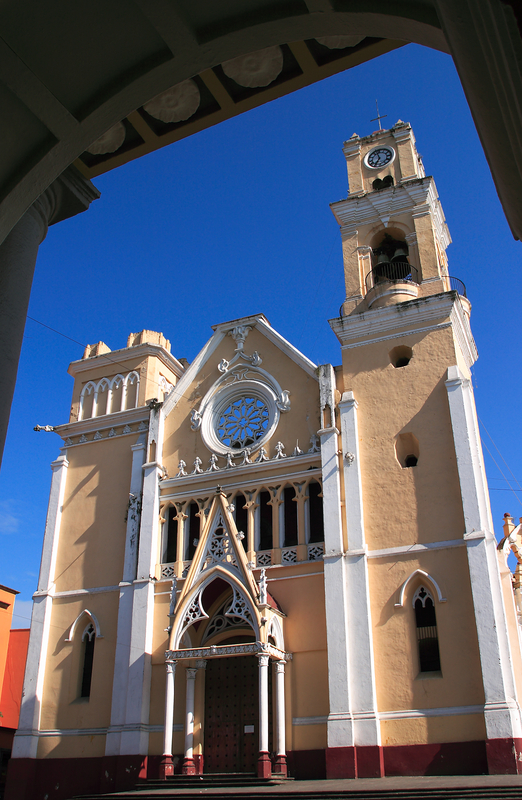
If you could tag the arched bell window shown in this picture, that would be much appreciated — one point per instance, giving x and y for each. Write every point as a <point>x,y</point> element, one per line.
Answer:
<point>391,260</point>
<point>426,624</point>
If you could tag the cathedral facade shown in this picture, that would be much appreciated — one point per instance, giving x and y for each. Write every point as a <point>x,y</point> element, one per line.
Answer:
<point>254,563</point>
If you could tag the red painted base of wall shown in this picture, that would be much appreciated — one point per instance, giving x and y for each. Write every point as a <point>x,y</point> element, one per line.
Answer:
<point>61,778</point>
<point>456,758</point>
<point>504,756</point>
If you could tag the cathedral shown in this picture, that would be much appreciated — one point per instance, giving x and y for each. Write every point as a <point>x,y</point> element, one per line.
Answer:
<point>254,563</point>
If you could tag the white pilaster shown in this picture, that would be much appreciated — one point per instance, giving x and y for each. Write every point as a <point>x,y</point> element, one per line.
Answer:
<point>340,724</point>
<point>26,739</point>
<point>135,737</point>
<point>501,711</point>
<point>169,707</point>
<point>125,606</point>
<point>361,662</point>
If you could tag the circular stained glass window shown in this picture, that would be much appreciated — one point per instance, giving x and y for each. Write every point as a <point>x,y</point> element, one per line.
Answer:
<point>243,423</point>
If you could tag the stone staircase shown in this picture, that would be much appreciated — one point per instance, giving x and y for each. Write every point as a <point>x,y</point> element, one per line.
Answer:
<point>249,787</point>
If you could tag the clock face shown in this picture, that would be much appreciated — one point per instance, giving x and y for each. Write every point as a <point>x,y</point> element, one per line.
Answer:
<point>379,157</point>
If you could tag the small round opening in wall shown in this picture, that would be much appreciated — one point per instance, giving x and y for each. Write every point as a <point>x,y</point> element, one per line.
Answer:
<point>243,423</point>
<point>401,356</point>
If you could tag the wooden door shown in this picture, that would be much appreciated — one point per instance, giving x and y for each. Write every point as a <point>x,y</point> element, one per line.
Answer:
<point>231,735</point>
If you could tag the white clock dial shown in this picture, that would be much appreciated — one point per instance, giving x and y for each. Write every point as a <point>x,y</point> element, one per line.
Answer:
<point>379,157</point>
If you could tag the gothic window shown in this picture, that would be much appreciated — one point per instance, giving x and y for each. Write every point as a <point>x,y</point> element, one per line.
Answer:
<point>132,383</point>
<point>290,517</point>
<point>88,640</point>
<point>426,624</point>
<point>315,513</point>
<point>102,397</point>
<point>116,394</point>
<point>265,522</point>
<point>191,531</point>
<point>170,537</point>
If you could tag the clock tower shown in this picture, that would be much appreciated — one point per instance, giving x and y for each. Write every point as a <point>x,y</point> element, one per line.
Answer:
<point>392,224</point>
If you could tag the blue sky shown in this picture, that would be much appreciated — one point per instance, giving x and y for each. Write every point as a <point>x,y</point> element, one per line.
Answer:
<point>235,221</point>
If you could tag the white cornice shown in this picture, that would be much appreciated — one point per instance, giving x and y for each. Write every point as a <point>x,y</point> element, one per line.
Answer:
<point>412,316</point>
<point>116,358</point>
<point>380,206</point>
<point>105,422</point>
<point>241,476</point>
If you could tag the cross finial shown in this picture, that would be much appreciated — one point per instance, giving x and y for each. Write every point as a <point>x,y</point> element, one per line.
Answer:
<point>379,116</point>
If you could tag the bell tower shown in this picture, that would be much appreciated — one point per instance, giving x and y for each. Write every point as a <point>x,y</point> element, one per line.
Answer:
<point>392,224</point>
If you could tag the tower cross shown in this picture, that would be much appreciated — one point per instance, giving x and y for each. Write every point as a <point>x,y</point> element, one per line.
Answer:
<point>379,116</point>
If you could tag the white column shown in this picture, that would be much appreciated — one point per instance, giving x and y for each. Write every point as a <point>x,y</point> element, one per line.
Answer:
<point>501,711</point>
<point>188,763</point>
<point>26,739</point>
<point>125,606</point>
<point>280,744</point>
<point>340,724</point>
<point>69,195</point>
<point>361,660</point>
<point>264,765</point>
<point>169,707</point>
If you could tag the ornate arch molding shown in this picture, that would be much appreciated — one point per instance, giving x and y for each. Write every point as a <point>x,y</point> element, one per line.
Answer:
<point>424,576</point>
<point>276,631</point>
<point>87,613</point>
<point>191,609</point>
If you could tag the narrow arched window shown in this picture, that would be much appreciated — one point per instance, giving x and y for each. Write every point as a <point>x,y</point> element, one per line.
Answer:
<point>264,533</point>
<point>170,537</point>
<point>88,639</point>
<point>241,515</point>
<point>315,513</point>
<point>191,531</point>
<point>290,517</point>
<point>426,623</point>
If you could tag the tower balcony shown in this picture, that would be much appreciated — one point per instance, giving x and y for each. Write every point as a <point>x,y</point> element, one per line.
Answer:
<point>391,282</point>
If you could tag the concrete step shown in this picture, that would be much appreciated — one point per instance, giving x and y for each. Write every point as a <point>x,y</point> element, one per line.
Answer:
<point>169,792</point>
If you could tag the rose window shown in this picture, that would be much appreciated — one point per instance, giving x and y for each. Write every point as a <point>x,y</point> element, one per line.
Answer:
<point>243,423</point>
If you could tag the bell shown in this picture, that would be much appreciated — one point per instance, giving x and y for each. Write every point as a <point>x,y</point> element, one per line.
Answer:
<point>400,255</point>
<point>382,258</point>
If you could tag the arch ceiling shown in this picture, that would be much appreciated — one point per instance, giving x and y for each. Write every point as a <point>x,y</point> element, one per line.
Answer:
<point>69,72</point>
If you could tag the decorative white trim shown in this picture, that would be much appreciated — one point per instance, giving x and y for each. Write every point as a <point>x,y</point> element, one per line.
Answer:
<point>407,196</point>
<point>426,577</point>
<point>309,720</point>
<point>119,419</point>
<point>53,732</point>
<point>414,548</point>
<point>79,592</point>
<point>224,475</point>
<point>94,620</point>
<point>416,713</point>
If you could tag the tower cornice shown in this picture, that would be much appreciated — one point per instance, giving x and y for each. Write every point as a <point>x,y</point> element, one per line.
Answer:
<point>415,316</point>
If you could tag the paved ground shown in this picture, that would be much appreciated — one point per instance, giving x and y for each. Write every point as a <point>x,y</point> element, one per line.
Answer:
<point>369,784</point>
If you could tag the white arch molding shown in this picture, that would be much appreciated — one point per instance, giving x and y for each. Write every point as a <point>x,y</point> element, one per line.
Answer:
<point>93,618</point>
<point>179,630</point>
<point>425,576</point>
